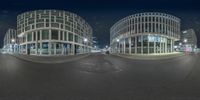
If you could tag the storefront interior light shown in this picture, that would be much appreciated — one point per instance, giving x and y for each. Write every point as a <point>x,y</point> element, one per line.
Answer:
<point>117,40</point>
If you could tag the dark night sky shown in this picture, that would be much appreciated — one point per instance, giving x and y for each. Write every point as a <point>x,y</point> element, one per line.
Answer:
<point>102,14</point>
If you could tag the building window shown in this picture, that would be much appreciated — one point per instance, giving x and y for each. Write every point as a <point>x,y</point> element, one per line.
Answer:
<point>65,36</point>
<point>47,24</point>
<point>61,35</point>
<point>29,37</point>
<point>39,25</point>
<point>70,37</point>
<point>45,48</point>
<point>56,25</point>
<point>76,38</point>
<point>27,28</point>
<point>139,40</point>
<point>45,45</point>
<point>34,36</point>
<point>54,34</point>
<point>38,35</point>
<point>67,28</point>
<point>145,44</point>
<point>45,34</point>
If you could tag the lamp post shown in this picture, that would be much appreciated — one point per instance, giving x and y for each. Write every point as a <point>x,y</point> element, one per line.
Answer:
<point>118,51</point>
<point>13,42</point>
<point>185,42</point>
<point>85,42</point>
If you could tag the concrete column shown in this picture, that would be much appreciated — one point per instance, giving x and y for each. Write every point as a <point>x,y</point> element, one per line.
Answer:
<point>49,44</point>
<point>148,47</point>
<point>62,45</point>
<point>118,47</point>
<point>142,44</point>
<point>135,44</point>
<point>158,24</point>
<point>59,35</point>
<point>40,42</point>
<point>124,43</point>
<point>32,33</point>
<point>73,49</point>
<point>160,45</point>
<point>49,47</point>
<point>151,29</point>
<point>26,45</point>
<point>137,25</point>
<point>129,39</point>
<point>166,46</point>
<point>154,47</point>
<point>36,43</point>
<point>171,45</point>
<point>26,48</point>
<point>54,48</point>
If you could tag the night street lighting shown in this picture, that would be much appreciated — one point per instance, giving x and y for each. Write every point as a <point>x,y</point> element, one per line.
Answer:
<point>106,46</point>
<point>185,40</point>
<point>12,40</point>
<point>117,40</point>
<point>85,39</point>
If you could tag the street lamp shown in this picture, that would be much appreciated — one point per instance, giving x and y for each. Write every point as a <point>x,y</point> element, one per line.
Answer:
<point>13,40</point>
<point>117,40</point>
<point>185,40</point>
<point>85,40</point>
<point>106,46</point>
<point>13,48</point>
<point>118,46</point>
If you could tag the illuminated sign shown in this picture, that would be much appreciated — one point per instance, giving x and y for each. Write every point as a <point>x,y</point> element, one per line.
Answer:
<point>152,38</point>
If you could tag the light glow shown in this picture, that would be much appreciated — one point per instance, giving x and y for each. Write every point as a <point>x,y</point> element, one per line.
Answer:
<point>12,40</point>
<point>85,39</point>
<point>117,40</point>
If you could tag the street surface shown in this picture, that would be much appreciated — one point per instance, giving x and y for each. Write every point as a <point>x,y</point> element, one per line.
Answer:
<point>101,77</point>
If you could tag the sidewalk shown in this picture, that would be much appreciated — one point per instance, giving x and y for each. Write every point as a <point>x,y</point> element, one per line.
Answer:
<point>151,56</point>
<point>49,59</point>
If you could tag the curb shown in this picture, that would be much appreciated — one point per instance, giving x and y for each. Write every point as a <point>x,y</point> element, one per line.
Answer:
<point>73,58</point>
<point>149,57</point>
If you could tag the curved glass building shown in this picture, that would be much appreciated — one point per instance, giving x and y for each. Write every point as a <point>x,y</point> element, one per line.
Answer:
<point>53,32</point>
<point>145,33</point>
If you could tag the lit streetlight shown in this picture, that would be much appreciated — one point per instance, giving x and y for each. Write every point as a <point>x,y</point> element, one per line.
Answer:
<point>117,40</point>
<point>118,46</point>
<point>106,46</point>
<point>185,40</point>
<point>13,40</point>
<point>12,45</point>
<point>85,40</point>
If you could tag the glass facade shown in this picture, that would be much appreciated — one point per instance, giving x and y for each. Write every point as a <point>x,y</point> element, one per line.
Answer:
<point>53,32</point>
<point>145,33</point>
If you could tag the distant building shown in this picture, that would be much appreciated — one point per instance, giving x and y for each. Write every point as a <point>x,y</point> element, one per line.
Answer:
<point>145,33</point>
<point>53,32</point>
<point>188,41</point>
<point>10,41</point>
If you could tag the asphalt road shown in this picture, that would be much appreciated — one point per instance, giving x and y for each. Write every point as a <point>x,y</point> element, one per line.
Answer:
<point>101,77</point>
